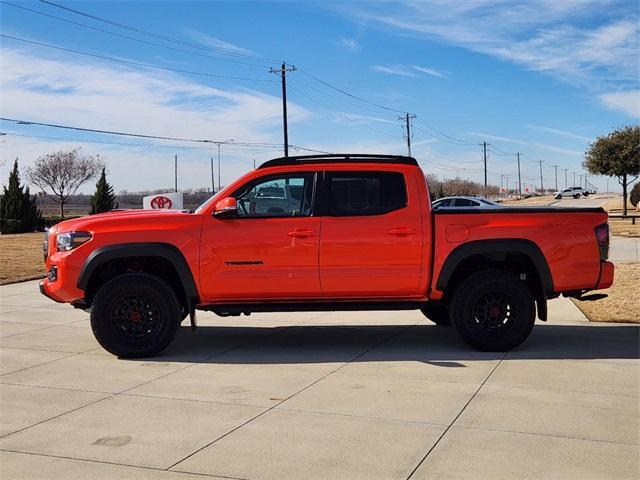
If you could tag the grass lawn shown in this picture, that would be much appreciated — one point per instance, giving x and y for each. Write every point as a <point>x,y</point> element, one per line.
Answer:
<point>21,257</point>
<point>623,302</point>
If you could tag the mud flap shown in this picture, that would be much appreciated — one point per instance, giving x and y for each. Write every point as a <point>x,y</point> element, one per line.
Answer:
<point>541,303</point>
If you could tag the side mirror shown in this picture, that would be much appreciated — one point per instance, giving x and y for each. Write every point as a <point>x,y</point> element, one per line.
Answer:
<point>226,208</point>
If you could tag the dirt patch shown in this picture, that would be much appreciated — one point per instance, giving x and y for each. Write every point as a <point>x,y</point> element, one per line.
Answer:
<point>623,302</point>
<point>21,257</point>
<point>543,200</point>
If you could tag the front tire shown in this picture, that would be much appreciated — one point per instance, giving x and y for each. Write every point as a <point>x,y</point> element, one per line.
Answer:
<point>437,313</point>
<point>135,315</point>
<point>493,310</point>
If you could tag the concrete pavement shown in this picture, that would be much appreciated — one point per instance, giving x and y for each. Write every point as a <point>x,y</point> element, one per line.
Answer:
<point>316,395</point>
<point>624,250</point>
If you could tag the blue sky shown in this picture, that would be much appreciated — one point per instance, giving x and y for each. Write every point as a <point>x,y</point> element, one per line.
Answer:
<point>541,77</point>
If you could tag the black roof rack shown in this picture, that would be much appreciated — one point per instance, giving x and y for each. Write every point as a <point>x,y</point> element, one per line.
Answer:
<point>340,158</point>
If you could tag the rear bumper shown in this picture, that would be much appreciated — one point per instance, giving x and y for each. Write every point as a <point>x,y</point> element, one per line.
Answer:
<point>606,275</point>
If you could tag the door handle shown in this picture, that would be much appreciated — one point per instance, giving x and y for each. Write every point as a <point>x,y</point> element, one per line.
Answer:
<point>299,233</point>
<point>401,231</point>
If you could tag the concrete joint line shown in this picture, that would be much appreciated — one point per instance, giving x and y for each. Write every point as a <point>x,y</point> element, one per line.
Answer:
<point>456,418</point>
<point>292,395</point>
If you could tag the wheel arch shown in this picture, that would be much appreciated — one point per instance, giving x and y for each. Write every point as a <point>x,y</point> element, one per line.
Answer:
<point>512,253</point>
<point>163,256</point>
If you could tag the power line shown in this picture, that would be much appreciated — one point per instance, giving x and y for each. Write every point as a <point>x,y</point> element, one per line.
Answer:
<point>342,115</point>
<point>448,137</point>
<point>137,135</point>
<point>344,92</point>
<point>130,62</point>
<point>160,36</point>
<point>127,37</point>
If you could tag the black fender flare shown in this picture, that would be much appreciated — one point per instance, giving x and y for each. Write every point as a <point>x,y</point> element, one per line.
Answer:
<point>503,245</point>
<point>143,249</point>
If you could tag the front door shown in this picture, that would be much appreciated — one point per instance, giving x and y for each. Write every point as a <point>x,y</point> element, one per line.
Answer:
<point>371,243</point>
<point>270,249</point>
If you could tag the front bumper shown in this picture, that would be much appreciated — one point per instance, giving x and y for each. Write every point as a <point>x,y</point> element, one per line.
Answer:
<point>44,292</point>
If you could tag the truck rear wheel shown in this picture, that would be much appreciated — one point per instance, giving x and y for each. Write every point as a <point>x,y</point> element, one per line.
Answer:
<point>493,310</point>
<point>437,313</point>
<point>135,315</point>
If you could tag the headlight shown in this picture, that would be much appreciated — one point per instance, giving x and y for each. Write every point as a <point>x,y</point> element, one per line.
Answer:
<point>69,241</point>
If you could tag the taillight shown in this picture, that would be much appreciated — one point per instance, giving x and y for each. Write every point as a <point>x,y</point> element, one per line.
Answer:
<point>602,235</point>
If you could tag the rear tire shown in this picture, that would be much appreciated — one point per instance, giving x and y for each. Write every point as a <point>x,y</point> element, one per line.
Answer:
<point>576,196</point>
<point>493,310</point>
<point>135,315</point>
<point>437,313</point>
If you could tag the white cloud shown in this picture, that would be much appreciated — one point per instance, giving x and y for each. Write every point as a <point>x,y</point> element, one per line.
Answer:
<point>429,71</point>
<point>98,95</point>
<point>393,70</point>
<point>557,131</point>
<point>407,70</point>
<point>627,102</point>
<point>350,44</point>
<point>217,43</point>
<point>585,42</point>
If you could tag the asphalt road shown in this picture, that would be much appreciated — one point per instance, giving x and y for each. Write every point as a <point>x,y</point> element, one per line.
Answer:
<point>330,395</point>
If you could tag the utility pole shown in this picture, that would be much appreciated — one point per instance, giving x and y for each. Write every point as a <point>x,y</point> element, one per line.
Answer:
<point>254,163</point>
<point>501,183</point>
<point>507,176</point>
<point>565,177</point>
<point>219,168</point>
<point>574,179</point>
<point>213,186</point>
<point>556,169</point>
<point>175,171</point>
<point>407,118</point>
<point>484,151</point>
<point>519,178</point>
<point>282,71</point>
<point>541,181</point>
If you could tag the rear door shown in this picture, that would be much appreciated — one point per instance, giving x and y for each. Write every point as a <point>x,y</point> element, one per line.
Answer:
<point>371,239</point>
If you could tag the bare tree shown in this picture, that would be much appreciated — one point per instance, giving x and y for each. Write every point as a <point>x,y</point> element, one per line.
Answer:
<point>60,174</point>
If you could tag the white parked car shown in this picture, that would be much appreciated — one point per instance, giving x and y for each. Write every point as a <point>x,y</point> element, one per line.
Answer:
<point>574,192</point>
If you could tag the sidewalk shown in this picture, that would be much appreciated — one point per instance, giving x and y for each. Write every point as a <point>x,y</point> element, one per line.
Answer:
<point>358,395</point>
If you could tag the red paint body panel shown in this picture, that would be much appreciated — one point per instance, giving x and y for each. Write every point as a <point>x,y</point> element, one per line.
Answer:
<point>395,256</point>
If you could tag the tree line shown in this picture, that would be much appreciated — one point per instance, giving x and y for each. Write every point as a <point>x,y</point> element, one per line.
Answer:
<point>59,175</point>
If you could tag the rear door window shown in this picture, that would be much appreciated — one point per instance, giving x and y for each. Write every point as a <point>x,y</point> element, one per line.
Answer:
<point>364,193</point>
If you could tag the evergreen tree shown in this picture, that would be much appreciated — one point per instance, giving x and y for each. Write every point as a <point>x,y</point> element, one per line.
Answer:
<point>18,210</point>
<point>104,199</point>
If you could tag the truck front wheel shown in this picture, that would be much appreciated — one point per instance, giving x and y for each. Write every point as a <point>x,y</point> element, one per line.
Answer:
<point>135,315</point>
<point>493,310</point>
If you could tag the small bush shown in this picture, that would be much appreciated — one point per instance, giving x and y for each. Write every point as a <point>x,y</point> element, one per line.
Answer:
<point>634,197</point>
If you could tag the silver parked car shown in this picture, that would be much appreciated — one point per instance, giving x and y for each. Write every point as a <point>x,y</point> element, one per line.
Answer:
<point>464,202</point>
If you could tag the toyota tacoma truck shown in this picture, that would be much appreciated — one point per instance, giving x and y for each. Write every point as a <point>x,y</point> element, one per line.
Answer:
<point>356,232</point>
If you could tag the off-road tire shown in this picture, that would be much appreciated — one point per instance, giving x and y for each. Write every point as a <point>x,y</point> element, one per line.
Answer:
<point>493,310</point>
<point>437,313</point>
<point>135,315</point>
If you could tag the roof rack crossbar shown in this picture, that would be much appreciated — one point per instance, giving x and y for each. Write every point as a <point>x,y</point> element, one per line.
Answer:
<point>340,158</point>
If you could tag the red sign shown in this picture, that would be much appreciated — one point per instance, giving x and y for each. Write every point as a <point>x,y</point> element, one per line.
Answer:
<point>161,202</point>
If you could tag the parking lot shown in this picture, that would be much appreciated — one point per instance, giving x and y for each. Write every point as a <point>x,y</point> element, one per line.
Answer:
<point>316,395</point>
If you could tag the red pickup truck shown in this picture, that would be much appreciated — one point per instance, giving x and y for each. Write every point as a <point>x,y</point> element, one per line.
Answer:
<point>329,232</point>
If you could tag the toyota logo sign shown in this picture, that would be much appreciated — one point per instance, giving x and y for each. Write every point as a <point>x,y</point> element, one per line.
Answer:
<point>161,202</point>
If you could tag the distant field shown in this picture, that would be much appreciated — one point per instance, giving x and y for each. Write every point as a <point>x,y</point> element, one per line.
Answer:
<point>21,257</point>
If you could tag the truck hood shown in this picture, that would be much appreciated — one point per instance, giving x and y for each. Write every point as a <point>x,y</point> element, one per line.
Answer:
<point>95,221</point>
